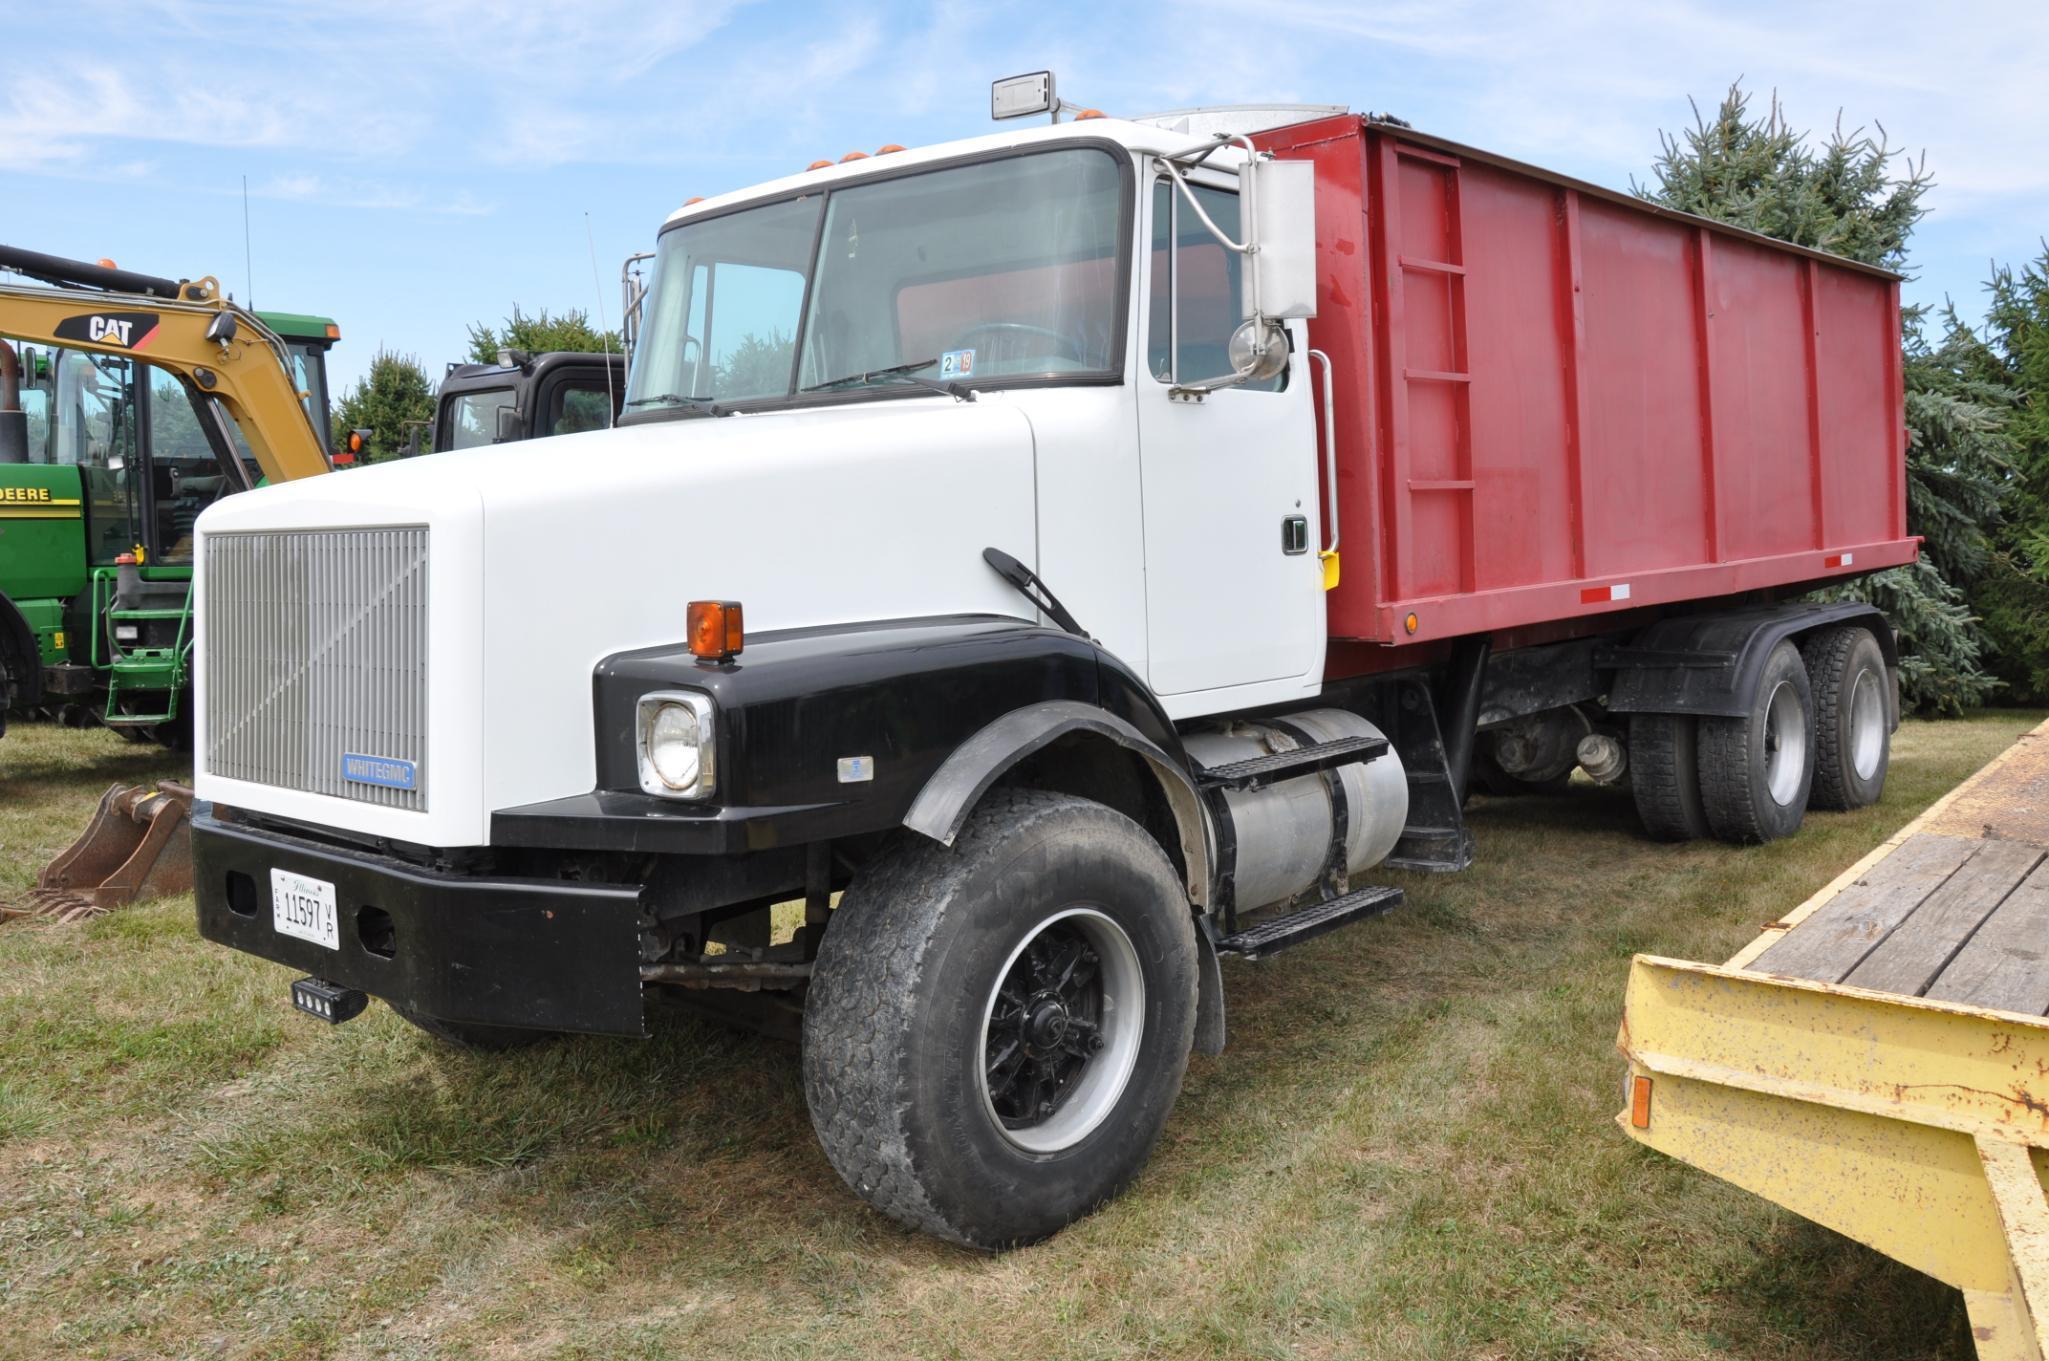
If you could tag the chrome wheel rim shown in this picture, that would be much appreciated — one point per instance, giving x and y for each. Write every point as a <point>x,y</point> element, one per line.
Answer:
<point>1061,1031</point>
<point>1785,744</point>
<point>1867,725</point>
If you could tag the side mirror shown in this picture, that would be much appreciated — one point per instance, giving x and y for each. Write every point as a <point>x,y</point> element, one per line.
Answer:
<point>1284,227</point>
<point>1258,350</point>
<point>508,425</point>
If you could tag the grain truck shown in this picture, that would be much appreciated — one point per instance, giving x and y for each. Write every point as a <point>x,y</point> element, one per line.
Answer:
<point>1031,569</point>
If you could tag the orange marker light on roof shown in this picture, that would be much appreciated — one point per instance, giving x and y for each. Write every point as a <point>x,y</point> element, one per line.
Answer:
<point>886,148</point>
<point>716,629</point>
<point>854,156</point>
<point>105,263</point>
<point>333,331</point>
<point>818,165</point>
<point>694,198</point>
<point>1086,114</point>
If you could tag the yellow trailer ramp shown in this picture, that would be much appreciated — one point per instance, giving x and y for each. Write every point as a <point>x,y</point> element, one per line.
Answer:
<point>1878,1061</point>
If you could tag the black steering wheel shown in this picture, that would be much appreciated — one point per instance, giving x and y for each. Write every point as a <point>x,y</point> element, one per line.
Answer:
<point>1068,349</point>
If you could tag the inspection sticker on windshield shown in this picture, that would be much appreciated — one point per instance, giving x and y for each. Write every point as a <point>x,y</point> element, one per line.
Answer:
<point>957,364</point>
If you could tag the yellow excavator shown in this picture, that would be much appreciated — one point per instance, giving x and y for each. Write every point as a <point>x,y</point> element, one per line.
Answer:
<point>126,344</point>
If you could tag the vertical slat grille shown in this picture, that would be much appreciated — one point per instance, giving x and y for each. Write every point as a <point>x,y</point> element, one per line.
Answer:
<point>315,648</point>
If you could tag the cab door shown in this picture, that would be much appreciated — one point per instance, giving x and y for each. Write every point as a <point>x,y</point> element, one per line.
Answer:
<point>1234,590</point>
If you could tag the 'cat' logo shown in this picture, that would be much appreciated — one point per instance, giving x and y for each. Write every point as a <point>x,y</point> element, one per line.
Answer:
<point>128,330</point>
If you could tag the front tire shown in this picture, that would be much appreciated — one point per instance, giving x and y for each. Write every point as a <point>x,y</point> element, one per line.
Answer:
<point>1756,770</point>
<point>1852,717</point>
<point>996,1031</point>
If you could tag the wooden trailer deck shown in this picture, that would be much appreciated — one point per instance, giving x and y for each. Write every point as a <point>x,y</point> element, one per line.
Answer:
<point>1878,1060</point>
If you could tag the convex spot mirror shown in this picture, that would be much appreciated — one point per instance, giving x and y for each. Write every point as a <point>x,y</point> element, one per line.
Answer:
<point>1258,351</point>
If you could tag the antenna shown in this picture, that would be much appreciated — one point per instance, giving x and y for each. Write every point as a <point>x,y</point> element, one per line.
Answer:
<point>598,287</point>
<point>248,270</point>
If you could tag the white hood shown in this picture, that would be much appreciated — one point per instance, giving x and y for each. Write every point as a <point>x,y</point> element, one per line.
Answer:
<point>549,555</point>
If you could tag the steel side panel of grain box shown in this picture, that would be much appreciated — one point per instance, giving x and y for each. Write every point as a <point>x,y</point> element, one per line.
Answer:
<point>1556,400</point>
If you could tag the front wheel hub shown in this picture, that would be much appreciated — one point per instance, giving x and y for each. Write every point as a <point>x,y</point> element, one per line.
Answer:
<point>1061,1032</point>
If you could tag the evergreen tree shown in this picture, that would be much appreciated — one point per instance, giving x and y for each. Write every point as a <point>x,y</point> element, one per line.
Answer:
<point>2013,593</point>
<point>539,334</point>
<point>393,395</point>
<point>1859,197</point>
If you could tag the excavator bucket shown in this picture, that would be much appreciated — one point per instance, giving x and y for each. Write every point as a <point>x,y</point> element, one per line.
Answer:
<point>136,847</point>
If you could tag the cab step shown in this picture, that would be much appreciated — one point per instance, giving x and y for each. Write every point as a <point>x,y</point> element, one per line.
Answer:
<point>1271,937</point>
<point>1261,771</point>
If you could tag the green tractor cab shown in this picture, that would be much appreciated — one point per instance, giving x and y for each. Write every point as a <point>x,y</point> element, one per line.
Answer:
<point>309,338</point>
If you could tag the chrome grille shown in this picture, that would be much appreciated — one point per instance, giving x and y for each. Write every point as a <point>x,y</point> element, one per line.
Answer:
<point>315,646</point>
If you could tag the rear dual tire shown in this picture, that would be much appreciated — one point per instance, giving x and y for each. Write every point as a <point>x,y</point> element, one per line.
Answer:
<point>1853,709</point>
<point>1756,770</point>
<point>1818,733</point>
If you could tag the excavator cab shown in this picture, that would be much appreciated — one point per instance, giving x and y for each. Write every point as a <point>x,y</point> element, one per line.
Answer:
<point>138,447</point>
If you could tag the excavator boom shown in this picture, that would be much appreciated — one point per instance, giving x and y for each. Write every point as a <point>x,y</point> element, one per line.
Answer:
<point>222,349</point>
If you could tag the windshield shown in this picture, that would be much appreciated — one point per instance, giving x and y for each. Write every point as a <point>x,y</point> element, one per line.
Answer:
<point>981,273</point>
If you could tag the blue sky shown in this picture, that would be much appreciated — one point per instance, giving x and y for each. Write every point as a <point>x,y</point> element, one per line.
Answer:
<point>417,166</point>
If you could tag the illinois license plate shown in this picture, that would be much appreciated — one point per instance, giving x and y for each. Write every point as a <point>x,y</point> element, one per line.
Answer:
<point>304,907</point>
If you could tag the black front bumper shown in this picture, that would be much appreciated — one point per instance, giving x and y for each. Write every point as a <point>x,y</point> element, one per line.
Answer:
<point>540,954</point>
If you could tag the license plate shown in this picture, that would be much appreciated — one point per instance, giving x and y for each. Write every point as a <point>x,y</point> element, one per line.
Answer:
<point>304,907</point>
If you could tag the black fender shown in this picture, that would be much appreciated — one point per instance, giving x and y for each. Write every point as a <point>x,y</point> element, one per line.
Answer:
<point>21,661</point>
<point>836,731</point>
<point>1709,664</point>
<point>943,805</point>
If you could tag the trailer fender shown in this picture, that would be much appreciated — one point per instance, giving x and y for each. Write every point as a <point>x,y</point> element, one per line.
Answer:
<point>943,805</point>
<point>1708,664</point>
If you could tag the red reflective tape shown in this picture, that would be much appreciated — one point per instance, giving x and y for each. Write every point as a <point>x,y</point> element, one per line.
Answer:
<point>1839,560</point>
<point>1604,595</point>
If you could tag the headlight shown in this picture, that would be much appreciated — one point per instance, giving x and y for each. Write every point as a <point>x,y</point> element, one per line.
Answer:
<point>677,745</point>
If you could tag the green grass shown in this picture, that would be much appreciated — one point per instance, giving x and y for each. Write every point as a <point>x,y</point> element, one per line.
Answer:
<point>1407,1151</point>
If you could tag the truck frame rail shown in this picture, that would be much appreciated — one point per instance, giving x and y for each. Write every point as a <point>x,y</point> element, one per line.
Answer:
<point>1878,1060</point>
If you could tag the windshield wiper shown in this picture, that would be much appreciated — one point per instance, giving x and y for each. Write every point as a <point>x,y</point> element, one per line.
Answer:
<point>704,404</point>
<point>902,373</point>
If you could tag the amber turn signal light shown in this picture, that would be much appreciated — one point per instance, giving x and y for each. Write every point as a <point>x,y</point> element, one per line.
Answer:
<point>716,632</point>
<point>1639,1102</point>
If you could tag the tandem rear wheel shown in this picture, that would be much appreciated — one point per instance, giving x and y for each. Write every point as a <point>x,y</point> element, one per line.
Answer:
<point>1819,731</point>
<point>997,1030</point>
